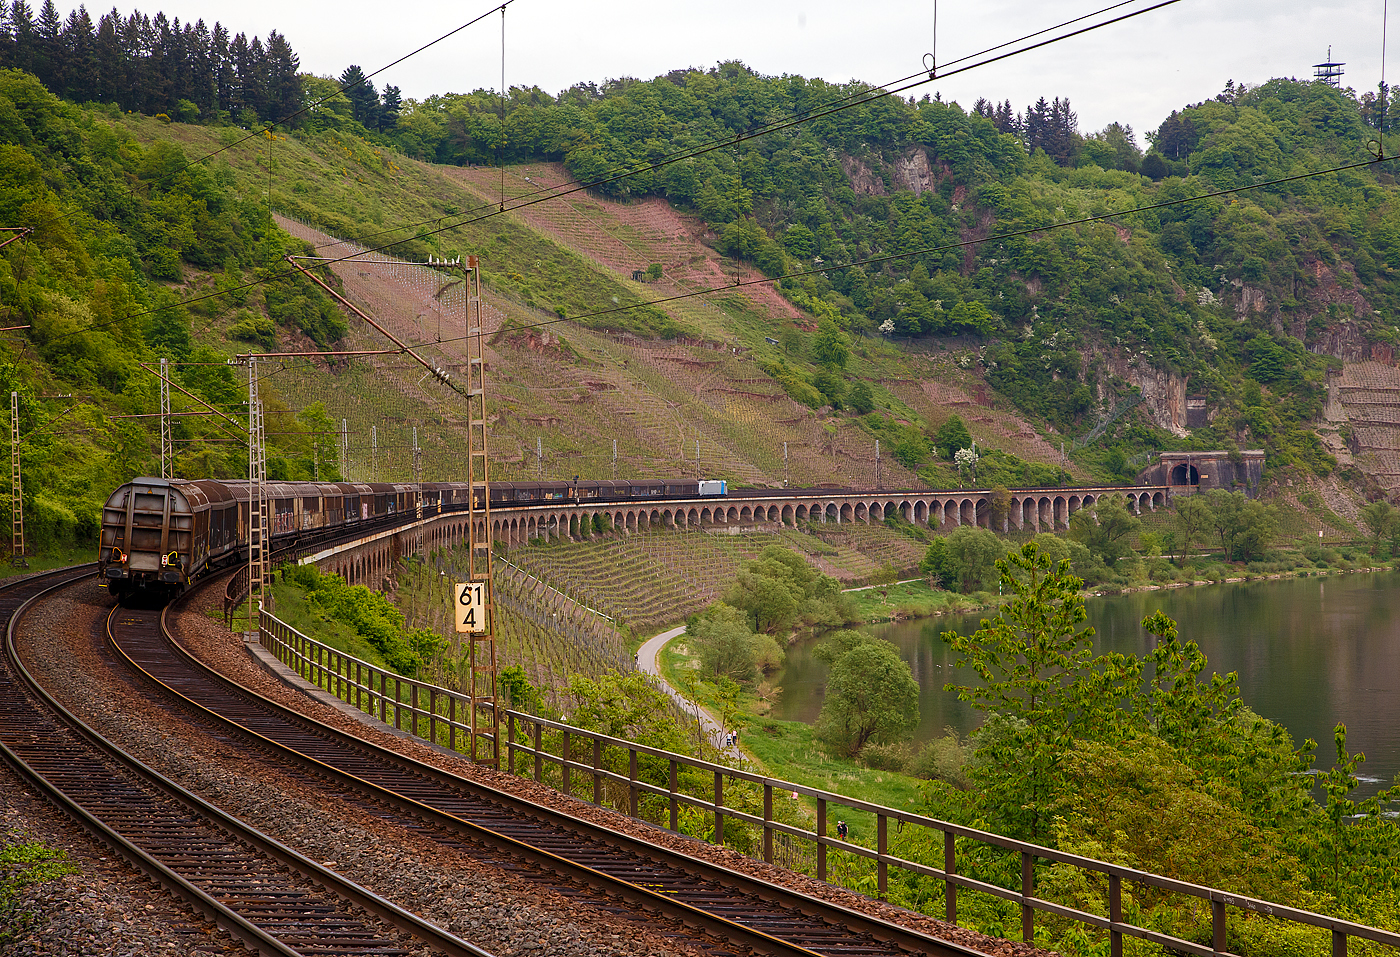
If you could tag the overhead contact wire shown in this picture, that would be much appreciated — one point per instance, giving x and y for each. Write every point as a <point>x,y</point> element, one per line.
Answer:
<point>961,244</point>
<point>787,124</point>
<point>849,101</point>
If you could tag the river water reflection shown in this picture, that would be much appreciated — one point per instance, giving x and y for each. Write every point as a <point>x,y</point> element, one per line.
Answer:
<point>1309,651</point>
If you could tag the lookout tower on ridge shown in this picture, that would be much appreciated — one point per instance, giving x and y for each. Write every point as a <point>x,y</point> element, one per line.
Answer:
<point>1329,72</point>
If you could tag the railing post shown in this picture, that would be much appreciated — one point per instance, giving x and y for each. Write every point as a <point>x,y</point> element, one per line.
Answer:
<point>632,793</point>
<point>675,809</point>
<point>1217,926</point>
<point>1115,915</point>
<point>539,752</point>
<point>565,765</point>
<point>950,867</point>
<point>767,823</point>
<point>510,741</point>
<point>597,778</point>
<point>432,715</point>
<point>1027,892</point>
<point>452,722</point>
<point>882,847</point>
<point>1339,943</point>
<point>821,839</point>
<point>719,803</point>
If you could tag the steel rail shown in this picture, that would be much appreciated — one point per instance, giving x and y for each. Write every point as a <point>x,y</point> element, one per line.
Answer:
<point>428,788</point>
<point>344,931</point>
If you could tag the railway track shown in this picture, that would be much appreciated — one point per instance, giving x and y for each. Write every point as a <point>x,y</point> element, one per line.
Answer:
<point>265,895</point>
<point>719,905</point>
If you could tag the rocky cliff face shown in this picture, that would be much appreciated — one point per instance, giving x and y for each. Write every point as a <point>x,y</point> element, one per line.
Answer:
<point>911,170</point>
<point>1163,393</point>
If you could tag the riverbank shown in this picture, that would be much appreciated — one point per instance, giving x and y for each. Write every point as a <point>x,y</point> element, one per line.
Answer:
<point>915,599</point>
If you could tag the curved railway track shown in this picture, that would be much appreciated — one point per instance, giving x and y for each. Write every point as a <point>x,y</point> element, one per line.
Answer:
<point>722,905</point>
<point>273,900</point>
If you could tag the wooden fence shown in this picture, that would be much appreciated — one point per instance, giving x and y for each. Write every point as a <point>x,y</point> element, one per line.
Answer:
<point>664,788</point>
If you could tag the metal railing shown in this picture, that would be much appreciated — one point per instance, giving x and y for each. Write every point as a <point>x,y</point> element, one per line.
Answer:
<point>623,775</point>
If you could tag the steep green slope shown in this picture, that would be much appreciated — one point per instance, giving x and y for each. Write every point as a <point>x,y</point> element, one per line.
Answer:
<point>1231,299</point>
<point>121,236</point>
<point>1244,301</point>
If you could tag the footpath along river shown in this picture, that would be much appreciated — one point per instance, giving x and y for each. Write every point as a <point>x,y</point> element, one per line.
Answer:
<point>1309,652</point>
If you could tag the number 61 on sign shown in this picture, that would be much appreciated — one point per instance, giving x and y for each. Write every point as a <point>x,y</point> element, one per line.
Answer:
<point>470,607</point>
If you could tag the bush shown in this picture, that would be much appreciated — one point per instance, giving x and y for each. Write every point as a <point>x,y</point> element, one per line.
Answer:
<point>887,757</point>
<point>943,759</point>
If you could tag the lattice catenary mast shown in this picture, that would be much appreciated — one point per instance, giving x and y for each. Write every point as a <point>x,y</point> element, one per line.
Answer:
<point>16,485</point>
<point>167,444</point>
<point>257,493</point>
<point>481,659</point>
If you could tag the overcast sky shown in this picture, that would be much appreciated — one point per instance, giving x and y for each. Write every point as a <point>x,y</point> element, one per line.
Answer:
<point>1134,72</point>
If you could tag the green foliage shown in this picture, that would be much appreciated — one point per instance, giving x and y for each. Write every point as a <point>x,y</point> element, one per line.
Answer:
<point>626,705</point>
<point>831,347</point>
<point>1244,526</point>
<point>1381,519</point>
<point>871,695</point>
<point>115,223</point>
<point>860,399</point>
<point>373,617</point>
<point>779,589</point>
<point>515,690</point>
<point>1154,762</point>
<point>1191,517</point>
<point>951,436</point>
<point>1105,530</point>
<point>1033,663</point>
<point>938,565</point>
<point>728,647</point>
<point>24,864</point>
<point>972,558</point>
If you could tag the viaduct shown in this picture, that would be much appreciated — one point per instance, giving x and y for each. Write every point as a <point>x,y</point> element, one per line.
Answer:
<point>372,559</point>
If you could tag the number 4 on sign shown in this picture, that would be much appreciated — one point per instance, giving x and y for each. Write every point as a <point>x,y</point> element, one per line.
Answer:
<point>470,607</point>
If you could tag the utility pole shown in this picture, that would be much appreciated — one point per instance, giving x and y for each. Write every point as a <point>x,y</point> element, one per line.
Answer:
<point>614,459</point>
<point>785,466</point>
<point>344,451</point>
<point>167,445</point>
<point>374,452</point>
<point>481,660</point>
<point>697,459</point>
<point>16,487</point>
<point>539,458</point>
<point>258,540</point>
<point>877,463</point>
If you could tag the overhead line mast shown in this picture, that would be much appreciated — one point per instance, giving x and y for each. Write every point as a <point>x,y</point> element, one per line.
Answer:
<point>481,658</point>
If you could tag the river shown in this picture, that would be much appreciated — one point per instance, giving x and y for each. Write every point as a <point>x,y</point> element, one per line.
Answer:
<point>1310,652</point>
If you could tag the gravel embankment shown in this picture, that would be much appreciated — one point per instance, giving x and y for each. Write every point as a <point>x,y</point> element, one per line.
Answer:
<point>495,909</point>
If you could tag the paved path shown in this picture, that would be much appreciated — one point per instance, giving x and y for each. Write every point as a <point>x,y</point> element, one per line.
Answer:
<point>647,664</point>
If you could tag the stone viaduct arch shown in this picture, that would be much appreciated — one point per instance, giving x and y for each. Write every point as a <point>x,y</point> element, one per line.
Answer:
<point>371,560</point>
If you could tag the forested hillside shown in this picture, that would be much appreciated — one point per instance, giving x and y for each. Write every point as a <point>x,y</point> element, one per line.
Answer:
<point>1236,299</point>
<point>909,239</point>
<point>99,286</point>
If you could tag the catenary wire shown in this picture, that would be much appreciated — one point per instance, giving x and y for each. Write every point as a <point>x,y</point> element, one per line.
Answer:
<point>279,274</point>
<point>267,128</point>
<point>851,100</point>
<point>944,247</point>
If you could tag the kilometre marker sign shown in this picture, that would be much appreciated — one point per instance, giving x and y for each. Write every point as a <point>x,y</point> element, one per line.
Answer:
<point>470,607</point>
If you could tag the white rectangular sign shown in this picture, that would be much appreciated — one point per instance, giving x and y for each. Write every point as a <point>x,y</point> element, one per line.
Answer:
<point>470,607</point>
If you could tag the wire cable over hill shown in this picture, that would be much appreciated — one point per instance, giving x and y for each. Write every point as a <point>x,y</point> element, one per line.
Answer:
<point>944,247</point>
<point>792,120</point>
<point>273,273</point>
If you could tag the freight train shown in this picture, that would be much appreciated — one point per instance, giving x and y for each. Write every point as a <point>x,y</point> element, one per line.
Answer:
<point>159,535</point>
